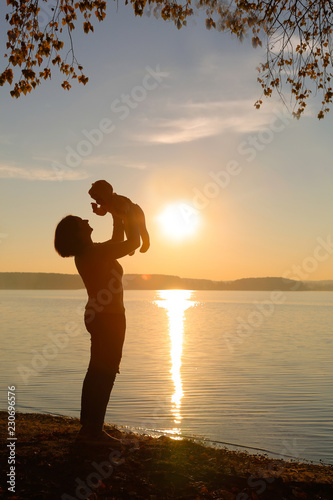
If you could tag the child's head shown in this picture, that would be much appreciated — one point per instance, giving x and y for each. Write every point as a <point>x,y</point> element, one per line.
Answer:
<point>101,191</point>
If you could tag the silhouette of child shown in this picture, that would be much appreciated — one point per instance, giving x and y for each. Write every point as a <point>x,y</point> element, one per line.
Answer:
<point>106,200</point>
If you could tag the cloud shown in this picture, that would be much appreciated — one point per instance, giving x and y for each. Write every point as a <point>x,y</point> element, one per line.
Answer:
<point>113,160</point>
<point>181,130</point>
<point>40,174</point>
<point>192,121</point>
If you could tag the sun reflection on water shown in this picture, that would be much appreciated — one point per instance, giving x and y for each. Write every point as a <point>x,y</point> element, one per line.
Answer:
<point>176,302</point>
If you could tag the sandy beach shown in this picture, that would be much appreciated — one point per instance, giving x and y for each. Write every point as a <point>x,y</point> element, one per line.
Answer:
<point>48,465</point>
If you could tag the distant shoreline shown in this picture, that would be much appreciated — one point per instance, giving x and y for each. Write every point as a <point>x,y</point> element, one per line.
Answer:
<point>58,281</point>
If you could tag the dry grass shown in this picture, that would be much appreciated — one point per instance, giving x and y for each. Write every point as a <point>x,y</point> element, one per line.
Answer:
<point>50,466</point>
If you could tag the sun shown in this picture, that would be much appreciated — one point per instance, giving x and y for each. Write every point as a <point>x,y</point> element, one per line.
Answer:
<point>179,221</point>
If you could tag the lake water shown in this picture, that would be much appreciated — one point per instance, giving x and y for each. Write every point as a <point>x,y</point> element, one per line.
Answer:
<point>252,369</point>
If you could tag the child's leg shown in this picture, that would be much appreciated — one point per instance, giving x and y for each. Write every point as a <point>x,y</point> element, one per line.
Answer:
<point>141,220</point>
<point>143,230</point>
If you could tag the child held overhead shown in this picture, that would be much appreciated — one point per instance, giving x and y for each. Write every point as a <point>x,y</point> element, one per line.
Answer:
<point>108,201</point>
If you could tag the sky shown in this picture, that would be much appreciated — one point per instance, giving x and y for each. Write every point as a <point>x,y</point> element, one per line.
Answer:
<point>168,118</point>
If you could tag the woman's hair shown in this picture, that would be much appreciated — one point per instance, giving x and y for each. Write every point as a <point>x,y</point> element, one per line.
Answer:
<point>67,241</point>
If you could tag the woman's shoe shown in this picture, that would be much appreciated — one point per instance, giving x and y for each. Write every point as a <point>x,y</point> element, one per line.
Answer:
<point>101,438</point>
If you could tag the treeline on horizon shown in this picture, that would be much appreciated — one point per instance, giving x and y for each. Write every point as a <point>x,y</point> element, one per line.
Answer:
<point>57,281</point>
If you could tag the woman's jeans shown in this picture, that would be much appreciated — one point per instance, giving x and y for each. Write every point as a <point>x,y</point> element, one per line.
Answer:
<point>107,333</point>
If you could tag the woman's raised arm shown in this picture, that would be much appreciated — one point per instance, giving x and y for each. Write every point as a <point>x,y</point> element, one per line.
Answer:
<point>118,233</point>
<point>121,248</point>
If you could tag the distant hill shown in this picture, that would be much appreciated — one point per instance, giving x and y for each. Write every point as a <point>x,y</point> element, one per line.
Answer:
<point>55,281</point>
<point>160,282</point>
<point>324,285</point>
<point>40,281</point>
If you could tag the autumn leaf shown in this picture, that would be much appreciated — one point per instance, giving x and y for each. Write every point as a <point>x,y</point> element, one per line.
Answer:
<point>83,79</point>
<point>66,85</point>
<point>298,54</point>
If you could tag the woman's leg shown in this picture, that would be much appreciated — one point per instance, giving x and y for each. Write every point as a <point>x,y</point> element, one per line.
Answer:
<point>107,337</point>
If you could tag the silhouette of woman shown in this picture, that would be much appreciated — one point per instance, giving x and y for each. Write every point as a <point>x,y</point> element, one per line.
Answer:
<point>104,313</point>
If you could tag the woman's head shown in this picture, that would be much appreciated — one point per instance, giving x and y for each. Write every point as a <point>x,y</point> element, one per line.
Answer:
<point>71,236</point>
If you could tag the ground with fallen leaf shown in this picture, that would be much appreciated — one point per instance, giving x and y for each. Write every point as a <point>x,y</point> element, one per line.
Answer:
<point>50,466</point>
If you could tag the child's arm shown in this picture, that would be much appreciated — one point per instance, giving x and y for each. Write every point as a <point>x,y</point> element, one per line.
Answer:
<point>118,232</point>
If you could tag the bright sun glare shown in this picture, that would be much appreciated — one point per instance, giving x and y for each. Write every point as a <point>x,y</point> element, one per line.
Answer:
<point>179,221</point>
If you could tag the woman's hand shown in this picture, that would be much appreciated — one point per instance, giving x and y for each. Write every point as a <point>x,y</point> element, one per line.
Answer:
<point>99,209</point>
